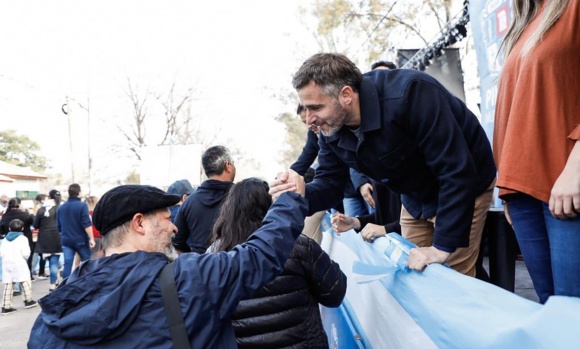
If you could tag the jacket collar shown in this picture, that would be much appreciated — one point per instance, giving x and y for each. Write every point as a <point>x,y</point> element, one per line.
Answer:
<point>370,114</point>
<point>370,111</point>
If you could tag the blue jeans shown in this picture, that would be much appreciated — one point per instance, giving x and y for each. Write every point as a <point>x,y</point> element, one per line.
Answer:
<point>550,247</point>
<point>53,267</point>
<point>355,207</point>
<point>82,249</point>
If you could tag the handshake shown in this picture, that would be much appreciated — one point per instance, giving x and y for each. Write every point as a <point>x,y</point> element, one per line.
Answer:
<point>288,181</point>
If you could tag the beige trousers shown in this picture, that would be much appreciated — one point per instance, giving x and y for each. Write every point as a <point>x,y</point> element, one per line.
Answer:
<point>420,232</point>
<point>312,226</point>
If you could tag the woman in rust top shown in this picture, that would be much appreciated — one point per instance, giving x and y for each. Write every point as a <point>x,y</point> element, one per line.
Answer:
<point>537,140</point>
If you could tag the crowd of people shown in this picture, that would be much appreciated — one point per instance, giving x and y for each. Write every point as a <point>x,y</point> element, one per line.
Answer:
<point>392,150</point>
<point>47,235</point>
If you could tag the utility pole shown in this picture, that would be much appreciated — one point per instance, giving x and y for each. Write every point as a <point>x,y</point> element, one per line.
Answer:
<point>90,159</point>
<point>66,110</point>
<point>89,142</point>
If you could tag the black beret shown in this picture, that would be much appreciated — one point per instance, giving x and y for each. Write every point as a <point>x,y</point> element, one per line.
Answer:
<point>120,204</point>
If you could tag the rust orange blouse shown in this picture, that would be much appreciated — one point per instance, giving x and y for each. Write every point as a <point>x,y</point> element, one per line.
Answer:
<point>537,115</point>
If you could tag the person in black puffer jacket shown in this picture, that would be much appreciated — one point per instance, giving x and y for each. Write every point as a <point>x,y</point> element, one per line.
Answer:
<point>284,313</point>
<point>14,211</point>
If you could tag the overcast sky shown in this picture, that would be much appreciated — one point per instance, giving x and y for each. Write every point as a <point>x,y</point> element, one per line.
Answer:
<point>235,53</point>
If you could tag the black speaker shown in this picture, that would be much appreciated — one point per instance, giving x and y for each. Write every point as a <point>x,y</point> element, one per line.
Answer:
<point>446,68</point>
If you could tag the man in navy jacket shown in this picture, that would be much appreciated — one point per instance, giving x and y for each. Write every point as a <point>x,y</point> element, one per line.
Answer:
<point>353,202</point>
<point>404,129</point>
<point>116,301</point>
<point>197,215</point>
<point>74,223</point>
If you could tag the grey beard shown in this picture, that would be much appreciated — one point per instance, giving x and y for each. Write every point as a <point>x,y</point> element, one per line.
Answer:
<point>170,253</point>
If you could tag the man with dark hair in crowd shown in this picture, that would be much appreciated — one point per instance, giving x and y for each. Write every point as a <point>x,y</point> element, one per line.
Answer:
<point>117,301</point>
<point>383,65</point>
<point>404,129</point>
<point>197,215</point>
<point>74,223</point>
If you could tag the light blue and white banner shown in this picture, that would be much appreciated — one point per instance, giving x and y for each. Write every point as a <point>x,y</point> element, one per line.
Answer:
<point>389,306</point>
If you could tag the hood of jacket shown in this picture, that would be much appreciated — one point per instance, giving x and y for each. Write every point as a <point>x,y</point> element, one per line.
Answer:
<point>212,192</point>
<point>99,302</point>
<point>11,236</point>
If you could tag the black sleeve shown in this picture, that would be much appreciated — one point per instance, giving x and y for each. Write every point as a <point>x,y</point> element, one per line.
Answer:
<point>393,227</point>
<point>327,188</point>
<point>36,222</point>
<point>364,220</point>
<point>327,282</point>
<point>441,141</point>
<point>308,155</point>
<point>179,241</point>
<point>3,227</point>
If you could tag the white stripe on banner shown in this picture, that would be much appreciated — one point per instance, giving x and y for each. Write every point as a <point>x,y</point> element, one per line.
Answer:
<point>391,307</point>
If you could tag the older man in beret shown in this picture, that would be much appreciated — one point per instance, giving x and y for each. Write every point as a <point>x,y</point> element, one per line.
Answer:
<point>116,301</point>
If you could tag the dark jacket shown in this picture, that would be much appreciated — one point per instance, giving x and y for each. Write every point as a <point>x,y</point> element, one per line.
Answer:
<point>308,154</point>
<point>72,220</point>
<point>49,240</point>
<point>116,302</point>
<point>285,312</point>
<point>387,209</point>
<point>25,217</point>
<point>421,142</point>
<point>197,215</point>
<point>307,157</point>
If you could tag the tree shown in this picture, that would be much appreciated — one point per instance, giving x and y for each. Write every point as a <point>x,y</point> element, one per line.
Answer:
<point>177,115</point>
<point>135,136</point>
<point>144,124</point>
<point>366,30</point>
<point>21,151</point>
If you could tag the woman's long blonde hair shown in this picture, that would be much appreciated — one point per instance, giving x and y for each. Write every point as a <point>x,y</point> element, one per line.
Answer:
<point>91,202</point>
<point>523,13</point>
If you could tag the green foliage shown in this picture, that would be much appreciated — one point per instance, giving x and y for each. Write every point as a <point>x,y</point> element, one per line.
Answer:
<point>295,137</point>
<point>21,151</point>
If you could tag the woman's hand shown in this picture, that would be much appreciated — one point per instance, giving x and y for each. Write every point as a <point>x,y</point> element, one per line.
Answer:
<point>565,196</point>
<point>342,223</point>
<point>372,231</point>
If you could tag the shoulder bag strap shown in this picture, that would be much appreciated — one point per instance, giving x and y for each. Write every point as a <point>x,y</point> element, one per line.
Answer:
<point>173,309</point>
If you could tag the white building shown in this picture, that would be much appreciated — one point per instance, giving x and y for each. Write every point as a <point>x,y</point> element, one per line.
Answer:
<point>22,182</point>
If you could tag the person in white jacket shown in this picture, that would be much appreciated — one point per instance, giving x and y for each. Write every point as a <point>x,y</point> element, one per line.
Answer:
<point>14,252</point>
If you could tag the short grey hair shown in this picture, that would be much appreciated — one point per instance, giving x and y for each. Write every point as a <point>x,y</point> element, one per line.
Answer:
<point>116,236</point>
<point>215,159</point>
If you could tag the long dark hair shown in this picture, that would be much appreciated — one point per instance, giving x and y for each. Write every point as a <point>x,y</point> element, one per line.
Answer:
<point>55,195</point>
<point>241,214</point>
<point>13,203</point>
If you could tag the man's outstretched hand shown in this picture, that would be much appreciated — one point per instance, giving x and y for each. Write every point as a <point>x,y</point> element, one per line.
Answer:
<point>420,257</point>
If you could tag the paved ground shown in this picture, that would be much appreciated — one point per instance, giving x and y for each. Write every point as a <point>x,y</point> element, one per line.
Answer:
<point>15,328</point>
<point>524,286</point>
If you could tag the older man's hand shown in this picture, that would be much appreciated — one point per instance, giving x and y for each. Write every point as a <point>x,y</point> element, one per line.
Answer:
<point>287,181</point>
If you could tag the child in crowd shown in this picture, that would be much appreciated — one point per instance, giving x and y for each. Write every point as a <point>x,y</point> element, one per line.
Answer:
<point>14,252</point>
